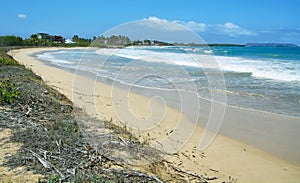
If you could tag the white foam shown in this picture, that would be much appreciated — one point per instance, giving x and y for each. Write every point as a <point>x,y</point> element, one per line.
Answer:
<point>270,69</point>
<point>183,59</point>
<point>208,51</point>
<point>52,59</point>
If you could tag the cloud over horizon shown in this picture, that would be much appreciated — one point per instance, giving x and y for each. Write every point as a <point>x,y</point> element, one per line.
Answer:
<point>22,16</point>
<point>154,28</point>
<point>228,28</point>
<point>232,30</point>
<point>161,24</point>
<point>194,26</point>
<point>183,31</point>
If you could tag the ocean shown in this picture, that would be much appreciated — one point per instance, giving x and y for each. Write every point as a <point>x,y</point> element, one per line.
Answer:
<point>260,78</point>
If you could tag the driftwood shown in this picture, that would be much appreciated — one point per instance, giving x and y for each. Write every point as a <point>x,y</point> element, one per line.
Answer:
<point>202,178</point>
<point>47,164</point>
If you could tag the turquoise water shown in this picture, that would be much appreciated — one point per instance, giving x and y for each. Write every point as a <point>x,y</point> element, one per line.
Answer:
<point>260,78</point>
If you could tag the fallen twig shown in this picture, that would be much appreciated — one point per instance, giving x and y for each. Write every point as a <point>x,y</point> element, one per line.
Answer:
<point>214,170</point>
<point>202,178</point>
<point>47,164</point>
<point>123,140</point>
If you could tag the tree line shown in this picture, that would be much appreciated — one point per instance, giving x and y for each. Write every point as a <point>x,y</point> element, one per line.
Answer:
<point>38,40</point>
<point>33,40</point>
<point>42,39</point>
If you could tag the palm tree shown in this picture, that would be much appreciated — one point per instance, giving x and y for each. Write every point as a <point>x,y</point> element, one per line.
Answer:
<point>34,39</point>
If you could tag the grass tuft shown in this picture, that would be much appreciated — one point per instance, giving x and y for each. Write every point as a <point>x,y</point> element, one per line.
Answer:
<point>8,91</point>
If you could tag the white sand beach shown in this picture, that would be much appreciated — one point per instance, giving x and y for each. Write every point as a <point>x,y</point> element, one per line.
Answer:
<point>245,153</point>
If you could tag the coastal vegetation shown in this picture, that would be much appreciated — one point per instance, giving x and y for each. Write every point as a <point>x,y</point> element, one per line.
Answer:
<point>8,91</point>
<point>33,40</point>
<point>46,40</point>
<point>43,39</point>
<point>11,41</point>
<point>111,41</point>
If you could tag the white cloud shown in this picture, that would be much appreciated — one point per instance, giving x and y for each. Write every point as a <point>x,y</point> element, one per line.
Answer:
<point>232,30</point>
<point>228,28</point>
<point>155,28</point>
<point>229,25</point>
<point>161,24</point>
<point>156,19</point>
<point>175,25</point>
<point>22,16</point>
<point>194,26</point>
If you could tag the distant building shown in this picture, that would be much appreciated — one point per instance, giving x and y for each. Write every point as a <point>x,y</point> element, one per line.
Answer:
<point>56,39</point>
<point>69,41</point>
<point>118,42</point>
<point>44,36</point>
<point>59,39</point>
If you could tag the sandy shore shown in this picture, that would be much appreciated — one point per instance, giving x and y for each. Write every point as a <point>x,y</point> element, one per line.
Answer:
<point>223,158</point>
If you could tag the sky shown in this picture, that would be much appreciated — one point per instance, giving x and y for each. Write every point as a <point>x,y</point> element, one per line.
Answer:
<point>215,21</point>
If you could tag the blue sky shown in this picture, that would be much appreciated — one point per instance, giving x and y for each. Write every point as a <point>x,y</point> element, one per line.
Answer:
<point>222,21</point>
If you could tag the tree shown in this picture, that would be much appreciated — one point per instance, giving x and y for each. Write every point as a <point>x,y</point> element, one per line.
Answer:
<point>75,38</point>
<point>11,41</point>
<point>34,39</point>
<point>147,42</point>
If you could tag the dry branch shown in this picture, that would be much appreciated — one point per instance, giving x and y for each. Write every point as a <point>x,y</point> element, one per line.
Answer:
<point>47,164</point>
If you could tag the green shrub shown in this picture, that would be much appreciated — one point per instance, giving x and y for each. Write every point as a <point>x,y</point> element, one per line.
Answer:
<point>7,61</point>
<point>8,91</point>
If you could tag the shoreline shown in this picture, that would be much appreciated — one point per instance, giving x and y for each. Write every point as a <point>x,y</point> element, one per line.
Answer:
<point>54,49</point>
<point>221,155</point>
